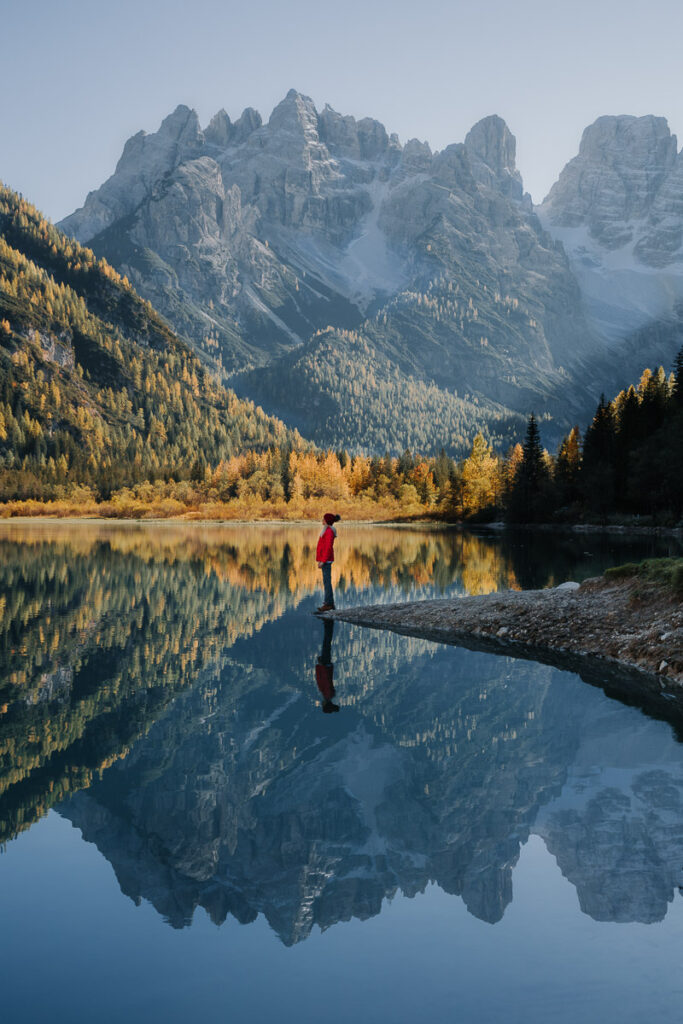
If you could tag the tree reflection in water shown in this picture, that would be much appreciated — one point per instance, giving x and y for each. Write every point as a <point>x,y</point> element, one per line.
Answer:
<point>156,680</point>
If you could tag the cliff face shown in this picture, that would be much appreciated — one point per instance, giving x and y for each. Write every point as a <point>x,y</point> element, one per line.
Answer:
<point>624,175</point>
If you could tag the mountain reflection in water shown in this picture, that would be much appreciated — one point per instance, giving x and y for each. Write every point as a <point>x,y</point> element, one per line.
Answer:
<point>164,684</point>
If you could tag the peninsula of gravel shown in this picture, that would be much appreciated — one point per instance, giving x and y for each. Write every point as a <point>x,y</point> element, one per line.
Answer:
<point>631,617</point>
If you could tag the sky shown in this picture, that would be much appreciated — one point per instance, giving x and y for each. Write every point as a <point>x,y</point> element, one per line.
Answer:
<point>82,76</point>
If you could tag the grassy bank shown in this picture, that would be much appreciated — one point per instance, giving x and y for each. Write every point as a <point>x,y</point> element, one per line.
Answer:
<point>666,573</point>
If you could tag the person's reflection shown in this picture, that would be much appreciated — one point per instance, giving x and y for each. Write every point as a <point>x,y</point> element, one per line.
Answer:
<point>324,669</point>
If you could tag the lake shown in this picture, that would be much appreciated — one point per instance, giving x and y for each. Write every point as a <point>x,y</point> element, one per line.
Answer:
<point>216,807</point>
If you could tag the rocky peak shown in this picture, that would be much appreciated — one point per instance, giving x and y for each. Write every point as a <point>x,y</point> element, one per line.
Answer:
<point>132,151</point>
<point>625,143</point>
<point>617,209</point>
<point>248,122</point>
<point>339,132</point>
<point>366,139</point>
<point>621,166</point>
<point>417,156</point>
<point>146,159</point>
<point>219,129</point>
<point>373,139</point>
<point>295,113</point>
<point>491,147</point>
<point>179,134</point>
<point>452,170</point>
<point>182,126</point>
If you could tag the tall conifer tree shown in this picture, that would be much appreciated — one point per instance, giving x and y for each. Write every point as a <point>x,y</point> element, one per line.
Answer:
<point>598,474</point>
<point>529,497</point>
<point>678,374</point>
<point>567,468</point>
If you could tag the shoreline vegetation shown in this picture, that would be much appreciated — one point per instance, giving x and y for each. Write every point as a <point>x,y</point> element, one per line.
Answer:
<point>105,412</point>
<point>630,618</point>
<point>626,471</point>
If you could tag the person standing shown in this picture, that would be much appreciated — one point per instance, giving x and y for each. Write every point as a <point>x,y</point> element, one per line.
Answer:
<point>324,556</point>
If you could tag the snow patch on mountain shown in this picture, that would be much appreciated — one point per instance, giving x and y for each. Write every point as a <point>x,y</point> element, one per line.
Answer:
<point>621,294</point>
<point>368,265</point>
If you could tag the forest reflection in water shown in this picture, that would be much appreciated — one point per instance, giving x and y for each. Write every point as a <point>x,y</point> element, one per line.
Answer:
<point>161,685</point>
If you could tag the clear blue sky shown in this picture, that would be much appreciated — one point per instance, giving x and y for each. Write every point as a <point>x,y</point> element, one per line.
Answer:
<point>81,76</point>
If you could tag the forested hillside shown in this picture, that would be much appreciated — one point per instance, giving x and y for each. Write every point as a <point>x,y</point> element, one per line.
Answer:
<point>95,389</point>
<point>340,390</point>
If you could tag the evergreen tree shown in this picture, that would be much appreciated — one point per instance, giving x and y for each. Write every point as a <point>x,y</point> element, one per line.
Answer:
<point>629,434</point>
<point>653,403</point>
<point>567,469</point>
<point>406,463</point>
<point>442,470</point>
<point>530,494</point>
<point>678,378</point>
<point>598,470</point>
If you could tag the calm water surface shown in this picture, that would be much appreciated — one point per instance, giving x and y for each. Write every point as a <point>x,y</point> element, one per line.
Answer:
<point>187,836</point>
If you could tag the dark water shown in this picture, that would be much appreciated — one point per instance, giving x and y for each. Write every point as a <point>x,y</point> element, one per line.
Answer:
<point>188,836</point>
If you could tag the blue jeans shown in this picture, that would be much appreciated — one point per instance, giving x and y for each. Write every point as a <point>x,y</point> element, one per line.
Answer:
<point>327,583</point>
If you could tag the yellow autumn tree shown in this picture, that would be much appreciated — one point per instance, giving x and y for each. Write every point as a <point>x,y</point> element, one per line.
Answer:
<point>480,478</point>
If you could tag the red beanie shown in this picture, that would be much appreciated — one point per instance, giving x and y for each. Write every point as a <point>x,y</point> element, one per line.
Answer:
<point>330,518</point>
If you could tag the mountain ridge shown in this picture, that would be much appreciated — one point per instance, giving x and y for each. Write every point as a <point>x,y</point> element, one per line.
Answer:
<point>254,237</point>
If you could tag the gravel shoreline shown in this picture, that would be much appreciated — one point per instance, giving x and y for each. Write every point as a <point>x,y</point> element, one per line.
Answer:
<point>616,632</point>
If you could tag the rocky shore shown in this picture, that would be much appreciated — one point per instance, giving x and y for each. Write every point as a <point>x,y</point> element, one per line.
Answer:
<point>595,628</point>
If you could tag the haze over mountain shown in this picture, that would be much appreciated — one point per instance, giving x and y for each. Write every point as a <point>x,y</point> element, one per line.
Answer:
<point>363,289</point>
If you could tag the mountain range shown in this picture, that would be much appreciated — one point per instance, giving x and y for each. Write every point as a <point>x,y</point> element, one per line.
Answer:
<point>378,295</point>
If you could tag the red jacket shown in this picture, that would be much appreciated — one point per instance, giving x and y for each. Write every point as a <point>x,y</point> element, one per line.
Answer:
<point>324,677</point>
<point>325,549</point>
